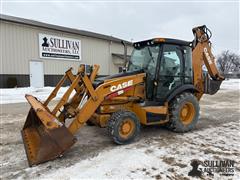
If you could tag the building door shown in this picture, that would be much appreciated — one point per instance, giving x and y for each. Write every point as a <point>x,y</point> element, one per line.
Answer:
<point>36,74</point>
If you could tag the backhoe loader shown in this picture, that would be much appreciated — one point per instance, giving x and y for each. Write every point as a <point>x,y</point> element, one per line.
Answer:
<point>162,84</point>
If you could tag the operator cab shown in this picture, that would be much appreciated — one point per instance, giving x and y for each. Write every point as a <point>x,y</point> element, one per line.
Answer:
<point>167,63</point>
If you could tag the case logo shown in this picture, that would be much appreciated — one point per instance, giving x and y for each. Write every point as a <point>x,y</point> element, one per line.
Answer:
<point>121,86</point>
<point>207,56</point>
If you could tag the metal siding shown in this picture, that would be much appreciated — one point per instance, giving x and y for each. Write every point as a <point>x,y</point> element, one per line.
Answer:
<point>20,45</point>
<point>2,48</point>
<point>117,48</point>
<point>17,47</point>
<point>129,50</point>
<point>95,51</point>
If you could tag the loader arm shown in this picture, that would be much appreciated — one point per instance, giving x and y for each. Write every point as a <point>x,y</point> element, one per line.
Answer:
<point>45,134</point>
<point>202,55</point>
<point>99,95</point>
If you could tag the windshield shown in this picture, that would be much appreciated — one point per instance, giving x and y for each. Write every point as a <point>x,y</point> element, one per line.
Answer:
<point>144,59</point>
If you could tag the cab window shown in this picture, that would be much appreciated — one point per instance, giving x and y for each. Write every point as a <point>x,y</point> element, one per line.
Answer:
<point>171,61</point>
<point>144,58</point>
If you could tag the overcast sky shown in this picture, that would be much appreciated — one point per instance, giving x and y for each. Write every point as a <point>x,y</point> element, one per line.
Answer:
<point>138,20</point>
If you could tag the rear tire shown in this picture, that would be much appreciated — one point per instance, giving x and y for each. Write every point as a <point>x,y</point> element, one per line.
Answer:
<point>123,126</point>
<point>184,113</point>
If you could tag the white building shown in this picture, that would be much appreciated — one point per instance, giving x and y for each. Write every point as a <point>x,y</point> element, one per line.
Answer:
<point>37,54</point>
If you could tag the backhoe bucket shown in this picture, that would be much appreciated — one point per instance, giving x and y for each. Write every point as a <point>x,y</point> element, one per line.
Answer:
<point>211,86</point>
<point>44,137</point>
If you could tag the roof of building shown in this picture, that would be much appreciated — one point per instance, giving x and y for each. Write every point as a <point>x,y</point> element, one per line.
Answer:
<point>60,28</point>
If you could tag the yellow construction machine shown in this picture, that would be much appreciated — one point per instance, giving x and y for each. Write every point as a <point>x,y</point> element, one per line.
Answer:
<point>162,84</point>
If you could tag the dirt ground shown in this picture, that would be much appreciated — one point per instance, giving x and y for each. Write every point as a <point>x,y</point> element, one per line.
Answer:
<point>216,111</point>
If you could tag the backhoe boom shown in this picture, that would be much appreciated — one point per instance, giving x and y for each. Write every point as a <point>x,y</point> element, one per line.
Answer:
<point>202,55</point>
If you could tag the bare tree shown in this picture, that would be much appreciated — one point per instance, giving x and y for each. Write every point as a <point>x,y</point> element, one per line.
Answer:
<point>228,62</point>
<point>236,63</point>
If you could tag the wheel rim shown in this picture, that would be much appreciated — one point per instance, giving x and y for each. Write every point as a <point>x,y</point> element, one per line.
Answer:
<point>126,128</point>
<point>187,113</point>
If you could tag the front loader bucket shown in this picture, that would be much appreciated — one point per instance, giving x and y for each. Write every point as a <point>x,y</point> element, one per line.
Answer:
<point>44,137</point>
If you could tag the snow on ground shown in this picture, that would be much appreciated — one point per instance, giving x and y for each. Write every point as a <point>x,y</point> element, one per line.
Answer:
<point>158,161</point>
<point>17,95</point>
<point>230,84</point>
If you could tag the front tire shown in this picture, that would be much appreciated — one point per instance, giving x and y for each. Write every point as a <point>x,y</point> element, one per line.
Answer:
<point>123,126</point>
<point>184,113</point>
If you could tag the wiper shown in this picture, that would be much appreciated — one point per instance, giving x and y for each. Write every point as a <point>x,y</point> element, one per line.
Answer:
<point>151,59</point>
<point>150,53</point>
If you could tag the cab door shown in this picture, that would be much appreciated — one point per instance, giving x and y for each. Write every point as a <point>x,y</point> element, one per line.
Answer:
<point>170,71</point>
<point>150,67</point>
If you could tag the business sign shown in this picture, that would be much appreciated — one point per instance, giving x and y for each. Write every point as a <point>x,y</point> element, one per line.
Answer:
<point>59,47</point>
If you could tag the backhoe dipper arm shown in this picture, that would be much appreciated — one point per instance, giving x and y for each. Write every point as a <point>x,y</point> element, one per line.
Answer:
<point>202,54</point>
